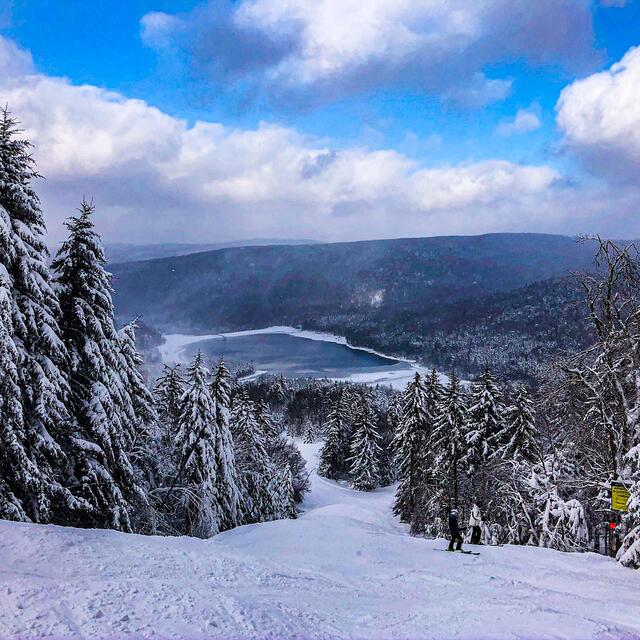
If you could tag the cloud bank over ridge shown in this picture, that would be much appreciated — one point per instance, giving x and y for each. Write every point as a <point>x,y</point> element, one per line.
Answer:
<point>155,177</point>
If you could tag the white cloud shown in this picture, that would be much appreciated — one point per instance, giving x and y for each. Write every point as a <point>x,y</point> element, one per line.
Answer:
<point>479,91</point>
<point>157,178</point>
<point>345,46</point>
<point>600,117</point>
<point>13,60</point>
<point>525,121</point>
<point>157,28</point>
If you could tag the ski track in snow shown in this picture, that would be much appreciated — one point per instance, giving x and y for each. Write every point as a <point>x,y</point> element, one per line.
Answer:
<point>345,569</point>
<point>172,350</point>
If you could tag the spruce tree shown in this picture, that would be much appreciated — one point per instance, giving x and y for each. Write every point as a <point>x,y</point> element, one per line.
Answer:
<point>99,395</point>
<point>168,392</point>
<point>138,404</point>
<point>336,448</point>
<point>484,420</point>
<point>270,429</point>
<point>448,438</point>
<point>411,445</point>
<point>35,427</point>
<point>286,494</point>
<point>517,437</point>
<point>207,461</point>
<point>277,391</point>
<point>434,393</point>
<point>394,411</point>
<point>221,386</point>
<point>256,469</point>
<point>221,393</point>
<point>142,429</point>
<point>365,450</point>
<point>308,431</point>
<point>428,497</point>
<point>24,475</point>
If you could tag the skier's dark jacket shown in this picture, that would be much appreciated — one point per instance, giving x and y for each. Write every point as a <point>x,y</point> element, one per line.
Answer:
<point>454,529</point>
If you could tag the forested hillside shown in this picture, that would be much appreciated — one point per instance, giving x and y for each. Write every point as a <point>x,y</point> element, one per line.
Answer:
<point>502,299</point>
<point>515,332</point>
<point>129,252</point>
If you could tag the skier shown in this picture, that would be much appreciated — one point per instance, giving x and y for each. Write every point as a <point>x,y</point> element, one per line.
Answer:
<point>475,522</point>
<point>454,530</point>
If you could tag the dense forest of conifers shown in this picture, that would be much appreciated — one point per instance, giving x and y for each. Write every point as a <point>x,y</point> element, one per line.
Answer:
<point>83,441</point>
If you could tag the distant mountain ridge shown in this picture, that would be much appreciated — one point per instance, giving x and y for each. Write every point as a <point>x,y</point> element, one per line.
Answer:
<point>368,290</point>
<point>130,252</point>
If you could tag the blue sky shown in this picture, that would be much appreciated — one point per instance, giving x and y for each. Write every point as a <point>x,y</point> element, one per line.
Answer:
<point>207,62</point>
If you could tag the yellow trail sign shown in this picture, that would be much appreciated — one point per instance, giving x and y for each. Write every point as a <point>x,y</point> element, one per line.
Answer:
<point>619,497</point>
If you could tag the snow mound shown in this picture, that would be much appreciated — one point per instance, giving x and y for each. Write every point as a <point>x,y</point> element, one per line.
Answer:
<point>345,568</point>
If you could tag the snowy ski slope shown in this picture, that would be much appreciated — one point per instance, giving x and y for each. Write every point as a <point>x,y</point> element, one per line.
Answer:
<point>346,568</point>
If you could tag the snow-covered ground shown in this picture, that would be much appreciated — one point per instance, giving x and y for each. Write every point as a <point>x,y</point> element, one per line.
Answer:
<point>345,568</point>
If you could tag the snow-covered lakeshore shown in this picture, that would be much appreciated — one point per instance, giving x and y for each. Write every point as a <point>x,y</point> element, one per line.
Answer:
<point>175,343</point>
<point>174,347</point>
<point>344,569</point>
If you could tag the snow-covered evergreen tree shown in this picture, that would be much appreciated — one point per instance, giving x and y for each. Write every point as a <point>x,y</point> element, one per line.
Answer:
<point>427,511</point>
<point>99,396</point>
<point>484,421</point>
<point>286,494</point>
<point>278,392</point>
<point>447,439</point>
<point>34,424</point>
<point>207,462</point>
<point>541,508</point>
<point>221,393</point>
<point>365,450</point>
<point>269,427</point>
<point>336,448</point>
<point>256,469</point>
<point>308,431</point>
<point>138,403</point>
<point>353,400</point>
<point>19,473</point>
<point>411,446</point>
<point>142,428</point>
<point>394,410</point>
<point>629,553</point>
<point>517,437</point>
<point>168,392</point>
<point>221,385</point>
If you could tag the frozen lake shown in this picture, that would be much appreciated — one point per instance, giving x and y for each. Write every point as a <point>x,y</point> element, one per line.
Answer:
<point>292,353</point>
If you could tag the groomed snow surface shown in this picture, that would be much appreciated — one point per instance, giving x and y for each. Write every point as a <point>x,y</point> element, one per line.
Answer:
<point>345,568</point>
